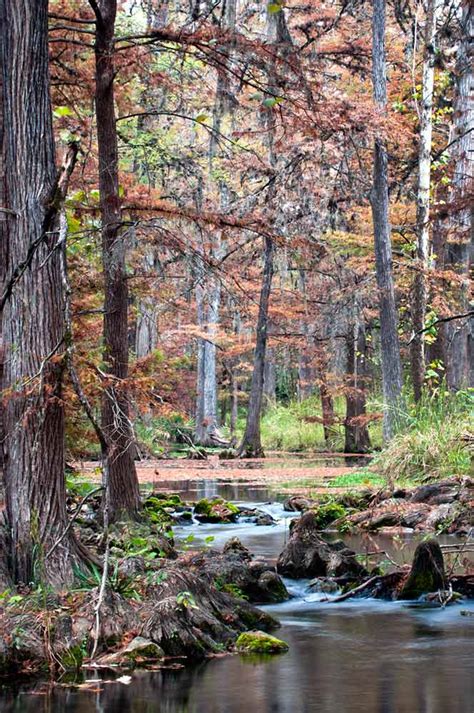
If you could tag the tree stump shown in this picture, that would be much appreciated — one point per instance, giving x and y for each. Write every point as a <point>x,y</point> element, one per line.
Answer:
<point>427,571</point>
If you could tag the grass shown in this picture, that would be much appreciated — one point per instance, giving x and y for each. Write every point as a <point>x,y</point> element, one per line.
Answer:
<point>437,443</point>
<point>287,428</point>
<point>358,479</point>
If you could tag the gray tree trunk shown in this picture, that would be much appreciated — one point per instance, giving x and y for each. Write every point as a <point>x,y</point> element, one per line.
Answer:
<point>460,244</point>
<point>392,378</point>
<point>420,289</point>
<point>208,290</point>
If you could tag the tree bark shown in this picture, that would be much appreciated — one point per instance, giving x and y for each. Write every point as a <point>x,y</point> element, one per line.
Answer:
<point>392,378</point>
<point>357,438</point>
<point>420,289</point>
<point>460,243</point>
<point>123,482</point>
<point>33,313</point>
<point>251,445</point>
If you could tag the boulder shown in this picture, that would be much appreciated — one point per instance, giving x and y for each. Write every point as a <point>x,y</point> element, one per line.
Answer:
<point>215,510</point>
<point>258,642</point>
<point>307,555</point>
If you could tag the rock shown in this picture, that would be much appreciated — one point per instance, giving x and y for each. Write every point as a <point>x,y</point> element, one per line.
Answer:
<point>307,555</point>
<point>265,519</point>
<point>190,617</point>
<point>215,510</point>
<point>257,642</point>
<point>463,584</point>
<point>427,571</point>
<point>297,503</point>
<point>137,651</point>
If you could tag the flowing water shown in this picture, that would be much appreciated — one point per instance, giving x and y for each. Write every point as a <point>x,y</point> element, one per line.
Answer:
<point>354,657</point>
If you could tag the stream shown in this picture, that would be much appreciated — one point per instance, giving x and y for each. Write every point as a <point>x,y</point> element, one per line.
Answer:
<point>362,656</point>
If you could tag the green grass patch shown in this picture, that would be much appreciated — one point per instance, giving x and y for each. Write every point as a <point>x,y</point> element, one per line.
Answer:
<point>358,479</point>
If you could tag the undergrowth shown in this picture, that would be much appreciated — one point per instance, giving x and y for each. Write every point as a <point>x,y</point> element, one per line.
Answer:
<point>437,443</point>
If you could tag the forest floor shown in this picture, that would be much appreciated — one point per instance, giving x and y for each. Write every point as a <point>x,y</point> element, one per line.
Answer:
<point>303,473</point>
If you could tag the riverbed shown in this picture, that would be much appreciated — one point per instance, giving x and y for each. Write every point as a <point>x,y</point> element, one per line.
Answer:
<point>361,656</point>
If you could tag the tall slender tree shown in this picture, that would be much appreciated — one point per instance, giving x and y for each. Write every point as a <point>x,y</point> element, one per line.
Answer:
<point>32,302</point>
<point>392,379</point>
<point>123,481</point>
<point>459,333</point>
<point>420,290</point>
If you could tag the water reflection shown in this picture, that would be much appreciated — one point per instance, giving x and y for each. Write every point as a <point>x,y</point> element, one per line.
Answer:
<point>373,659</point>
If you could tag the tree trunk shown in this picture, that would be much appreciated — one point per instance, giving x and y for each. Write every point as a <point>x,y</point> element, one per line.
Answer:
<point>123,482</point>
<point>251,445</point>
<point>207,433</point>
<point>269,380</point>
<point>33,312</point>
<point>420,290</point>
<point>392,378</point>
<point>460,244</point>
<point>357,438</point>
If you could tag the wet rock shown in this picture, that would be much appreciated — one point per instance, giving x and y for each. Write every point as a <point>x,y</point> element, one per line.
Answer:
<point>258,642</point>
<point>216,510</point>
<point>297,503</point>
<point>307,555</point>
<point>191,617</point>
<point>265,520</point>
<point>427,571</point>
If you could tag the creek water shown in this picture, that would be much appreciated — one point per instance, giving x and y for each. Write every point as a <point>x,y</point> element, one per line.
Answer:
<point>363,656</point>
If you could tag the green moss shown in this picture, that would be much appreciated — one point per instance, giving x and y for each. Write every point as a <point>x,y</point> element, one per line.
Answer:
<point>327,513</point>
<point>216,510</point>
<point>71,659</point>
<point>257,642</point>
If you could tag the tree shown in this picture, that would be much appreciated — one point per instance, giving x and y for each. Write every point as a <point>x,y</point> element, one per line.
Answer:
<point>116,425</point>
<point>33,306</point>
<point>420,290</point>
<point>392,379</point>
<point>459,341</point>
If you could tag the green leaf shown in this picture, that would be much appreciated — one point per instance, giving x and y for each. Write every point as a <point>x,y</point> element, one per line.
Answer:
<point>201,118</point>
<point>62,111</point>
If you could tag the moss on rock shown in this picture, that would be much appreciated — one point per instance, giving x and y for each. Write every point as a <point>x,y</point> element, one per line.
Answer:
<point>216,510</point>
<point>257,642</point>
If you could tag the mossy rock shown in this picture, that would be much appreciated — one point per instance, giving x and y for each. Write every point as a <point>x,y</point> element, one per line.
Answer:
<point>258,642</point>
<point>215,510</point>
